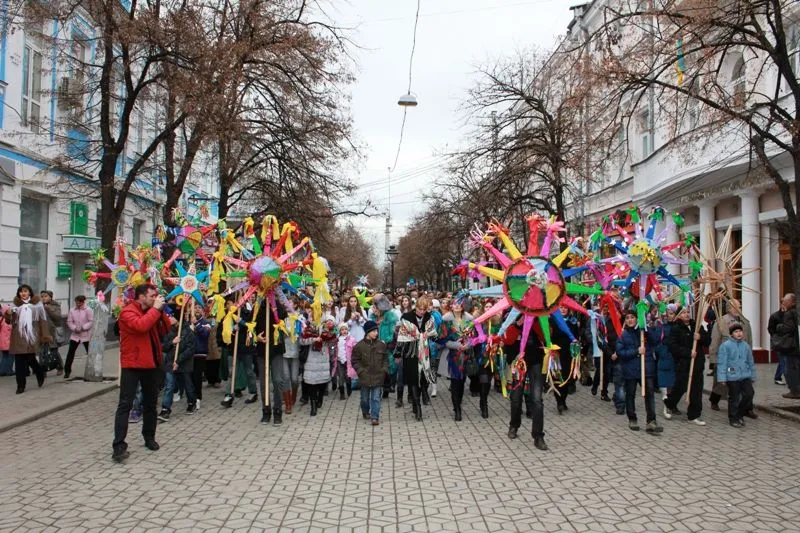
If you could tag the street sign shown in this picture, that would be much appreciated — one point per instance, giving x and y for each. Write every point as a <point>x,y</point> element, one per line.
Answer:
<point>63,270</point>
<point>79,244</point>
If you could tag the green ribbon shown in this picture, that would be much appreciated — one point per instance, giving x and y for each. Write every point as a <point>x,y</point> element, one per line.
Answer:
<point>677,218</point>
<point>657,214</point>
<point>633,211</point>
<point>641,313</point>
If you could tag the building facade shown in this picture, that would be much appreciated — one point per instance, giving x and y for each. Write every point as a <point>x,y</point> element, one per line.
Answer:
<point>714,184</point>
<point>49,211</point>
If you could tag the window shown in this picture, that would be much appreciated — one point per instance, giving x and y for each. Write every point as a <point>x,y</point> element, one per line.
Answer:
<point>793,49</point>
<point>136,238</point>
<point>33,230</point>
<point>32,79</point>
<point>693,105</point>
<point>646,132</point>
<point>77,86</point>
<point>739,82</point>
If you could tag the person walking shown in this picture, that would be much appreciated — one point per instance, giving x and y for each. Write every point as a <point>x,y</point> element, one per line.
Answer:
<point>214,358</point>
<point>735,366</point>
<point>79,322</point>
<point>458,353</point>
<point>685,345</point>
<point>29,332</point>
<point>370,361</point>
<point>55,326</point>
<point>526,373</point>
<point>354,317</point>
<point>719,335</point>
<point>276,378</point>
<point>317,370</point>
<point>202,331</point>
<point>630,351</point>
<point>785,341</point>
<point>6,359</point>
<point>142,324</point>
<point>416,327</point>
<point>291,359</point>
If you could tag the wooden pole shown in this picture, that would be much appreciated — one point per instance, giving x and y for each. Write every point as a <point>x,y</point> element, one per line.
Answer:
<point>266,356</point>
<point>698,324</point>
<point>642,358</point>
<point>235,351</point>
<point>180,326</point>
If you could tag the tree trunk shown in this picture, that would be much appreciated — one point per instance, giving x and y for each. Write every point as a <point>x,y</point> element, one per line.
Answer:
<point>224,193</point>
<point>97,344</point>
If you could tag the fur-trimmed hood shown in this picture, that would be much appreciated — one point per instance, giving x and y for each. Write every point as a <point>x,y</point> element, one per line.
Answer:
<point>35,300</point>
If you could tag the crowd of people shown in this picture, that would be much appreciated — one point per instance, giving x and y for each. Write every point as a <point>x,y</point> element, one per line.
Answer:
<point>171,354</point>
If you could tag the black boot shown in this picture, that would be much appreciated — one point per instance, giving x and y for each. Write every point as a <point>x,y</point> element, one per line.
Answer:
<point>341,393</point>
<point>539,443</point>
<point>512,433</point>
<point>314,408</point>
<point>457,413</point>
<point>415,400</point>
<point>426,400</point>
<point>277,416</point>
<point>265,415</point>
<point>484,402</point>
<point>456,393</point>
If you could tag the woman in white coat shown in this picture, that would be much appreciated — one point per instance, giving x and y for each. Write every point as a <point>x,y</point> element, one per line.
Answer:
<point>354,317</point>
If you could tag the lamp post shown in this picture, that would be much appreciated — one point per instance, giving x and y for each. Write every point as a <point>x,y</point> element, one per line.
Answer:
<point>391,256</point>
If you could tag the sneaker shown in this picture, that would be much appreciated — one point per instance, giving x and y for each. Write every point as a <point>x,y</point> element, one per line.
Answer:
<point>252,399</point>
<point>604,397</point>
<point>227,402</point>
<point>653,427</point>
<point>192,409</point>
<point>151,445</point>
<point>20,390</point>
<point>375,422</point>
<point>780,382</point>
<point>540,444</point>
<point>737,424</point>
<point>594,391</point>
<point>197,404</point>
<point>667,413</point>
<point>633,425</point>
<point>512,433</point>
<point>135,417</point>
<point>714,406</point>
<point>265,415</point>
<point>697,422</point>
<point>163,416</point>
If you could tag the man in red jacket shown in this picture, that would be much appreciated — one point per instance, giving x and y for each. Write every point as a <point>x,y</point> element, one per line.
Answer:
<point>141,325</point>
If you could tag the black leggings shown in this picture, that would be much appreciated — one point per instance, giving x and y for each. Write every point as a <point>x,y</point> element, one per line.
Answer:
<point>73,347</point>
<point>21,363</point>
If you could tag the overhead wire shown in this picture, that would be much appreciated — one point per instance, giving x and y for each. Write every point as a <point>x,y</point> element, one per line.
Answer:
<point>410,70</point>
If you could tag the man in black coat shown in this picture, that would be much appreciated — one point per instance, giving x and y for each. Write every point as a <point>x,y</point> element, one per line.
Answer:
<point>684,345</point>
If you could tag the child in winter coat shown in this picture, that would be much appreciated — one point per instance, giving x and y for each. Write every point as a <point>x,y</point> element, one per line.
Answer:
<point>201,328</point>
<point>342,356</point>
<point>183,364</point>
<point>735,366</point>
<point>630,351</point>
<point>168,349</point>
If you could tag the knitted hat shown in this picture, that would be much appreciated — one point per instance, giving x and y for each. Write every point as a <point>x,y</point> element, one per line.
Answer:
<point>734,327</point>
<point>370,325</point>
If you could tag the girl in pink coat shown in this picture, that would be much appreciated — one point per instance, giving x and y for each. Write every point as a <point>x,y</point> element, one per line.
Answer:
<point>79,321</point>
<point>342,361</point>
<point>6,359</point>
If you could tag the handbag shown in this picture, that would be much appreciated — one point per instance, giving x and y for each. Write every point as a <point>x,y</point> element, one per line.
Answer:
<point>60,335</point>
<point>48,359</point>
<point>471,367</point>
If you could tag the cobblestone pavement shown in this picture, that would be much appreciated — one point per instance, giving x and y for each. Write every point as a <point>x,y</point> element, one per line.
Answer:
<point>221,470</point>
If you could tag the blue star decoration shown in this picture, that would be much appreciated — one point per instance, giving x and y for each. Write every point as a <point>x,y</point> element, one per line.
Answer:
<point>189,283</point>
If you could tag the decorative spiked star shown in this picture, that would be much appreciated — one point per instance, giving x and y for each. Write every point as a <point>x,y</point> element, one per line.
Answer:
<point>189,282</point>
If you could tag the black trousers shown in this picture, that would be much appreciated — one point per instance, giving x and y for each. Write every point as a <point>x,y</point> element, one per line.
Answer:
<point>197,376</point>
<point>682,367</point>
<point>484,379</point>
<point>130,379</point>
<point>457,392</point>
<point>536,390</point>
<point>73,347</point>
<point>649,398</point>
<point>212,371</point>
<point>740,399</point>
<point>21,363</point>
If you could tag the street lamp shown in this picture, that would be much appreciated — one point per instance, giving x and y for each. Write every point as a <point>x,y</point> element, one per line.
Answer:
<point>391,255</point>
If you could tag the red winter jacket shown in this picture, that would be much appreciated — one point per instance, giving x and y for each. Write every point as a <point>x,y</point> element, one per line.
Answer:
<point>140,335</point>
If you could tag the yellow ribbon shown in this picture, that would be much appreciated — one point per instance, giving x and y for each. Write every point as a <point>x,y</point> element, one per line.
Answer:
<point>270,222</point>
<point>227,326</point>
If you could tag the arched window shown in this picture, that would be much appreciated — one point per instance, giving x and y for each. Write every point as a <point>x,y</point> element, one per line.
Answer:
<point>738,79</point>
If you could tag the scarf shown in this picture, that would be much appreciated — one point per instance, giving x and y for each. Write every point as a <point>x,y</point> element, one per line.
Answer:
<point>25,321</point>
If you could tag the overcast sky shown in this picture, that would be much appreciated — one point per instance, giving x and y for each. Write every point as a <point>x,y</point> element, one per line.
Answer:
<point>454,37</point>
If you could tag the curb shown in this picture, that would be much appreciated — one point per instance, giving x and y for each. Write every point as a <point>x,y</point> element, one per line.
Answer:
<point>779,413</point>
<point>60,407</point>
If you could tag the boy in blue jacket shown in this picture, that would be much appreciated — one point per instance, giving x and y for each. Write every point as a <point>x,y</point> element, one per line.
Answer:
<point>735,366</point>
<point>629,351</point>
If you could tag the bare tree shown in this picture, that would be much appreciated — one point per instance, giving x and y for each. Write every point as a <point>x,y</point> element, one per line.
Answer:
<point>721,69</point>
